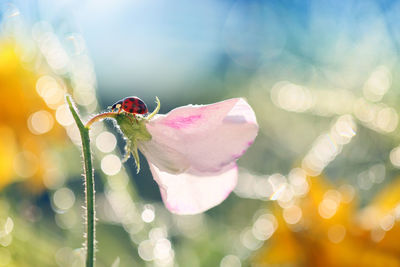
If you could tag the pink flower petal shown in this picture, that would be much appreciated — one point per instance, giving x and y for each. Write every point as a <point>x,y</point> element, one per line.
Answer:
<point>186,193</point>
<point>200,139</point>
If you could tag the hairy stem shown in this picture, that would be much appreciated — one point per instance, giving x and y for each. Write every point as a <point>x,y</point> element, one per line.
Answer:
<point>89,185</point>
<point>100,117</point>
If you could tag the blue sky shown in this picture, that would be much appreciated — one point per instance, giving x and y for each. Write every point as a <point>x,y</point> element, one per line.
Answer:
<point>163,47</point>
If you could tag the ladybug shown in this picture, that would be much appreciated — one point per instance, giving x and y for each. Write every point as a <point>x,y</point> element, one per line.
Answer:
<point>131,104</point>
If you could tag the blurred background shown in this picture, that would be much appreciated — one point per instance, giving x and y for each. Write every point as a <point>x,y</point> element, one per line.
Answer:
<point>319,187</point>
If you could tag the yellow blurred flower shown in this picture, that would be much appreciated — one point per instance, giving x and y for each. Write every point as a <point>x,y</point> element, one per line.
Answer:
<point>333,232</point>
<point>27,125</point>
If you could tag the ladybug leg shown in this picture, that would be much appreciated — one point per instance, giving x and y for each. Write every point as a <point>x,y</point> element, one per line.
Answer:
<point>119,108</point>
<point>134,117</point>
<point>129,117</point>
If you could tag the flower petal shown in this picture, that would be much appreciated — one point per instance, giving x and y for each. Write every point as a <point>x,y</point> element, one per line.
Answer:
<point>200,139</point>
<point>186,193</point>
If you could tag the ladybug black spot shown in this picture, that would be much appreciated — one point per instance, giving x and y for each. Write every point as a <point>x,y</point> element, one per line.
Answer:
<point>131,110</point>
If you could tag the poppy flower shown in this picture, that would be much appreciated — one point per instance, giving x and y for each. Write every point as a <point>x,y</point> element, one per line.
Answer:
<point>192,150</point>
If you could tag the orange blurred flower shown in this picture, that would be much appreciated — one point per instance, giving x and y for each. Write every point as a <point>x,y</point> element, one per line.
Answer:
<point>332,232</point>
<point>27,125</point>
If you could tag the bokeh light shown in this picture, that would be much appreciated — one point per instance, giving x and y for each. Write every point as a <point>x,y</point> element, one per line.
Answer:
<point>319,186</point>
<point>106,142</point>
<point>111,164</point>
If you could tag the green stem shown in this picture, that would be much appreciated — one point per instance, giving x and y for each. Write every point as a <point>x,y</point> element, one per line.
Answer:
<point>100,117</point>
<point>89,185</point>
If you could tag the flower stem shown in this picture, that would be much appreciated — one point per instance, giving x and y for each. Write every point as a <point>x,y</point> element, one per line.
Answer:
<point>89,185</point>
<point>100,117</point>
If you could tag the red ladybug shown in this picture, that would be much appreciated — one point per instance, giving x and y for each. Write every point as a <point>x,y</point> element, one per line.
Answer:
<point>130,104</point>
